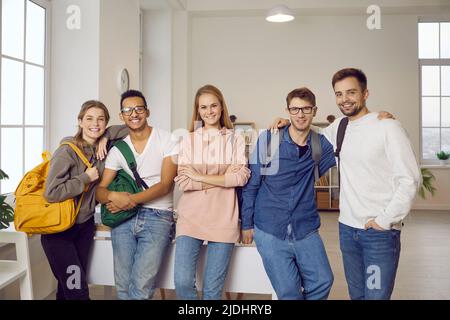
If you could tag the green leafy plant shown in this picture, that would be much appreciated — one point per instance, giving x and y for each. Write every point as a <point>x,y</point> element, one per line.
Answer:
<point>428,179</point>
<point>6,211</point>
<point>442,155</point>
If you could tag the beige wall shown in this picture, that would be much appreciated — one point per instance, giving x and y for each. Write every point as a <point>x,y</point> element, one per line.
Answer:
<point>256,63</point>
<point>85,63</point>
<point>119,48</point>
<point>441,200</point>
<point>157,66</point>
<point>74,66</point>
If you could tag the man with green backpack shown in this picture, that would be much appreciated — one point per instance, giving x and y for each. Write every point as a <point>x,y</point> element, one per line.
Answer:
<point>136,191</point>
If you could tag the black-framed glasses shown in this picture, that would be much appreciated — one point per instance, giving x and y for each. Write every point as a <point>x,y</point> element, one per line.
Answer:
<point>305,110</point>
<point>128,111</point>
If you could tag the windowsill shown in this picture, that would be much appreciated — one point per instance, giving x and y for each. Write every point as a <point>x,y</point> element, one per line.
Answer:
<point>435,166</point>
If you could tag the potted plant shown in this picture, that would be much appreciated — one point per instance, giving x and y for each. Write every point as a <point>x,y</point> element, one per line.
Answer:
<point>443,157</point>
<point>6,211</point>
<point>427,183</point>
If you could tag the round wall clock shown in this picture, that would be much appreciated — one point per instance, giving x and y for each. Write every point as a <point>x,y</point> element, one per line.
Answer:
<point>124,80</point>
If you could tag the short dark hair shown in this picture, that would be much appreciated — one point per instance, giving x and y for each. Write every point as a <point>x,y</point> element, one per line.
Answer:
<point>331,118</point>
<point>351,72</point>
<point>132,93</point>
<point>301,93</point>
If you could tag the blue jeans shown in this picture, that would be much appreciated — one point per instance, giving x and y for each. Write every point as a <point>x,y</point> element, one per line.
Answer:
<point>187,253</point>
<point>370,261</point>
<point>297,269</point>
<point>139,245</point>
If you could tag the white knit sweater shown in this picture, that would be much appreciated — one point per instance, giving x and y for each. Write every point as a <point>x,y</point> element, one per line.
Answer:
<point>379,172</point>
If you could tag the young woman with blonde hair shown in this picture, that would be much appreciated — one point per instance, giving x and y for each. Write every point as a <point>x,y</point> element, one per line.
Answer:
<point>68,177</point>
<point>211,164</point>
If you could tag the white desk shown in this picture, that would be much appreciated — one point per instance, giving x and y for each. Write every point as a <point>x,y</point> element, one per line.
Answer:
<point>246,273</point>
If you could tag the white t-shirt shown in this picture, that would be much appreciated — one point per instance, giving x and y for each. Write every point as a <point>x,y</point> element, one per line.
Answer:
<point>379,171</point>
<point>149,163</point>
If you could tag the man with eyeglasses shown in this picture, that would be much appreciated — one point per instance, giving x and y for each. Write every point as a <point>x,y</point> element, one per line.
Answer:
<point>279,208</point>
<point>379,177</point>
<point>140,243</point>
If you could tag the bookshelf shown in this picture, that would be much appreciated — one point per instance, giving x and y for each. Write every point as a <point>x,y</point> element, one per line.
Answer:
<point>327,191</point>
<point>248,130</point>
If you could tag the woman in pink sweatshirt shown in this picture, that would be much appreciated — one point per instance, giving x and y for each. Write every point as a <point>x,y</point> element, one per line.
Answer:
<point>211,164</point>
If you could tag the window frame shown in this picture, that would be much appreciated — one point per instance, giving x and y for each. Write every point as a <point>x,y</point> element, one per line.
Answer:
<point>431,62</point>
<point>46,4</point>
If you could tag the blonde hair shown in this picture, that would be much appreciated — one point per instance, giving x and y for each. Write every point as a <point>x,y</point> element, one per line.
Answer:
<point>224,118</point>
<point>78,138</point>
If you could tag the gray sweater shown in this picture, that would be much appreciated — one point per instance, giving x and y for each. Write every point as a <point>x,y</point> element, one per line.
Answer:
<point>67,178</point>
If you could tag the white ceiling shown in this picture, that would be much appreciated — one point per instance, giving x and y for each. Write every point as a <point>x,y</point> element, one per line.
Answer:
<point>252,7</point>
<point>163,4</point>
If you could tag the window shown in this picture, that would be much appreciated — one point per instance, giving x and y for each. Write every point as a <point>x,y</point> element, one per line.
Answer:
<point>23,69</point>
<point>434,64</point>
<point>141,49</point>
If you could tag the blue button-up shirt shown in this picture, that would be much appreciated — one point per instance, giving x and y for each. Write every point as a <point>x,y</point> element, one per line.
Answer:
<point>284,197</point>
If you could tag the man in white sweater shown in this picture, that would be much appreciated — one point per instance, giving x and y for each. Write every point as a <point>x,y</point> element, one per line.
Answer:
<point>379,177</point>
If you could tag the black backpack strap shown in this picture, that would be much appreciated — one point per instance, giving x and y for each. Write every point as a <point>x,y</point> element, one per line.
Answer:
<point>316,151</point>
<point>339,140</point>
<point>340,136</point>
<point>124,148</point>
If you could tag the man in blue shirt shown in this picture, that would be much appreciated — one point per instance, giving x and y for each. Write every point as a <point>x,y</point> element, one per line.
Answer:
<point>279,208</point>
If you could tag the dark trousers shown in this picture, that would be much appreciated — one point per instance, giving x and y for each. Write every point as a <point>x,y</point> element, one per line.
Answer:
<point>68,254</point>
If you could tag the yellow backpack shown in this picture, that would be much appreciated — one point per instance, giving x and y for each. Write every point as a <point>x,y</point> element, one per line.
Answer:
<point>33,214</point>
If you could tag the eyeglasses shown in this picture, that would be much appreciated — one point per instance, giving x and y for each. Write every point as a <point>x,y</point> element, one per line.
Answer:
<point>128,111</point>
<point>305,110</point>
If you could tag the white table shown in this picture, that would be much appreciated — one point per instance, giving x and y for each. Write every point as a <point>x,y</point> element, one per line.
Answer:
<point>246,273</point>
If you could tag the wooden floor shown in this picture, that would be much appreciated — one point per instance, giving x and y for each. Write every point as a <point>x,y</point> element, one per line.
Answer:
<point>424,269</point>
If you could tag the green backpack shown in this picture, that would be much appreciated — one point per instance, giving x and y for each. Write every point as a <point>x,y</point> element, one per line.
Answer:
<point>123,182</point>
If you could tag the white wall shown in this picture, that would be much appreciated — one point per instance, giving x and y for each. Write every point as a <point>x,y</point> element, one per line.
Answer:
<point>119,48</point>
<point>157,66</point>
<point>74,66</point>
<point>256,64</point>
<point>85,63</point>
<point>181,66</point>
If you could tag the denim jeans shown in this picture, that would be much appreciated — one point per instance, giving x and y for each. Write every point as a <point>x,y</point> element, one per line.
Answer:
<point>297,269</point>
<point>370,261</point>
<point>187,253</point>
<point>139,245</point>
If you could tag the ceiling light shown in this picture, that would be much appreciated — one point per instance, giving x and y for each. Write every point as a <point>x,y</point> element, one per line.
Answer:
<point>280,13</point>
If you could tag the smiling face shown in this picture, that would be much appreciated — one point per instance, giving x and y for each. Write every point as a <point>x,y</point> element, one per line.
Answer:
<point>301,121</point>
<point>350,98</point>
<point>210,110</point>
<point>134,121</point>
<point>93,124</point>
